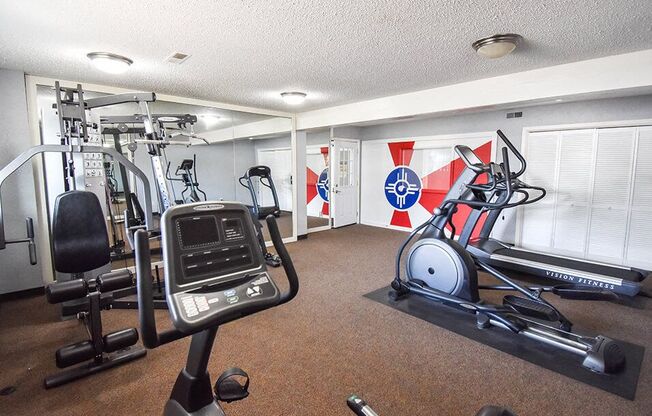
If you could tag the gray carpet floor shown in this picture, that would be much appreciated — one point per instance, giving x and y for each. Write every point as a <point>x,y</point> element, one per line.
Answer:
<point>307,356</point>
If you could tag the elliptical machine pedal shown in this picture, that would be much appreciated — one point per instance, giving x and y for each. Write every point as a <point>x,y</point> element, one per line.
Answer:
<point>227,387</point>
<point>532,308</point>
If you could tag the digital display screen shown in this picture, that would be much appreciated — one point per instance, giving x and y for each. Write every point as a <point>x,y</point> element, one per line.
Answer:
<point>232,223</point>
<point>198,232</point>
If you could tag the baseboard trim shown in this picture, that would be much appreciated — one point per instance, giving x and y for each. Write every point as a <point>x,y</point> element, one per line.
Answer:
<point>22,294</point>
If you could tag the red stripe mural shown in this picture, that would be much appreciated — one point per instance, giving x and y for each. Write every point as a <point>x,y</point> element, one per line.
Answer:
<point>434,185</point>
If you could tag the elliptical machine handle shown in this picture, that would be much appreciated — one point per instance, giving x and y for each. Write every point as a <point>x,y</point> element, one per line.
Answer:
<point>508,178</point>
<point>518,154</point>
<point>286,261</point>
<point>466,153</point>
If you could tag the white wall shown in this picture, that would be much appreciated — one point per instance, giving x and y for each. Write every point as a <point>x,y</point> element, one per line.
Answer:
<point>18,196</point>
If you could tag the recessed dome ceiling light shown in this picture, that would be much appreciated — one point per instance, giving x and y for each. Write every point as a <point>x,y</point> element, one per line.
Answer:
<point>293,97</point>
<point>110,62</point>
<point>497,46</point>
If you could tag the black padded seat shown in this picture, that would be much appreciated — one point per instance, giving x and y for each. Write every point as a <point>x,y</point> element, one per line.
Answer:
<point>80,240</point>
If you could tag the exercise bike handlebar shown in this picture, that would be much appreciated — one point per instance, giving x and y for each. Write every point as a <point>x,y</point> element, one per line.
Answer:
<point>286,261</point>
<point>151,337</point>
<point>149,333</point>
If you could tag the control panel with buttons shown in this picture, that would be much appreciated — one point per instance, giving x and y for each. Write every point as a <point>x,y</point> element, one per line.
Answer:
<point>214,268</point>
<point>197,305</point>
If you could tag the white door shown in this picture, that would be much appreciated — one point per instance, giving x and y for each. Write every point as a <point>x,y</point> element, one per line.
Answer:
<point>344,181</point>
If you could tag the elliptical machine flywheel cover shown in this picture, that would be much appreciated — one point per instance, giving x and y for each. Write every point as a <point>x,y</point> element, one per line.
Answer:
<point>437,264</point>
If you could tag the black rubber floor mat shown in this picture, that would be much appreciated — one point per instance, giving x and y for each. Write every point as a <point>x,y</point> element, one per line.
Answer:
<point>565,363</point>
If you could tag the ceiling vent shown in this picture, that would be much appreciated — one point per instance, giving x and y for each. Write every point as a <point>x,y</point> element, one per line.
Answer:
<point>177,58</point>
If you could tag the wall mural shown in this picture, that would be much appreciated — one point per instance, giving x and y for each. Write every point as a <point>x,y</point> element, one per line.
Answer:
<point>402,182</point>
<point>317,181</point>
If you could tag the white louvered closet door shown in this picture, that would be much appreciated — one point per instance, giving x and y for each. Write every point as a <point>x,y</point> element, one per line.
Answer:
<point>599,202</point>
<point>538,219</point>
<point>611,193</point>
<point>573,192</point>
<point>639,239</point>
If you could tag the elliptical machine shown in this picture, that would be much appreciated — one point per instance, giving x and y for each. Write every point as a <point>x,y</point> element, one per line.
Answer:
<point>618,279</point>
<point>258,212</point>
<point>187,170</point>
<point>264,175</point>
<point>214,274</point>
<point>440,269</point>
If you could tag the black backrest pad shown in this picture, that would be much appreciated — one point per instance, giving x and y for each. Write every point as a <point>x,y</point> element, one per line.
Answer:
<point>79,238</point>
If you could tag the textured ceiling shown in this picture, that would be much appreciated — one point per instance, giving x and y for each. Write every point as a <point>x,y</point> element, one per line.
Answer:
<point>338,51</point>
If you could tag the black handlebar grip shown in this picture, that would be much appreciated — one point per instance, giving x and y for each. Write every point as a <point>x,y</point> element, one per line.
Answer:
<point>31,246</point>
<point>29,224</point>
<point>359,406</point>
<point>151,337</point>
<point>518,154</point>
<point>144,287</point>
<point>508,176</point>
<point>286,261</point>
<point>109,282</point>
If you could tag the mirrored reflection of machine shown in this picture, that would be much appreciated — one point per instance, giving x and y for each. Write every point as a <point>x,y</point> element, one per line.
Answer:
<point>186,173</point>
<point>214,274</point>
<point>264,175</point>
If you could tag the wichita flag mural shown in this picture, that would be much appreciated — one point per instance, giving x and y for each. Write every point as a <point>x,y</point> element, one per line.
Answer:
<point>317,181</point>
<point>402,182</point>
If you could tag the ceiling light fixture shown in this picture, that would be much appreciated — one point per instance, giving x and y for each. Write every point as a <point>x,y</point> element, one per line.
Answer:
<point>168,119</point>
<point>210,118</point>
<point>497,46</point>
<point>110,62</point>
<point>293,97</point>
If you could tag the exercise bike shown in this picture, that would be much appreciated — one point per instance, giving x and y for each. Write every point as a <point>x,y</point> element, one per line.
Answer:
<point>441,270</point>
<point>214,274</point>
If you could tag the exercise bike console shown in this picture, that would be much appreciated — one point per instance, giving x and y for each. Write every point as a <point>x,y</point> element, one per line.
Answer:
<point>213,266</point>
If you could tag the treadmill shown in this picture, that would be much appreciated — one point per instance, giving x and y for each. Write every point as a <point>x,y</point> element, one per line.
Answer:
<point>622,280</point>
